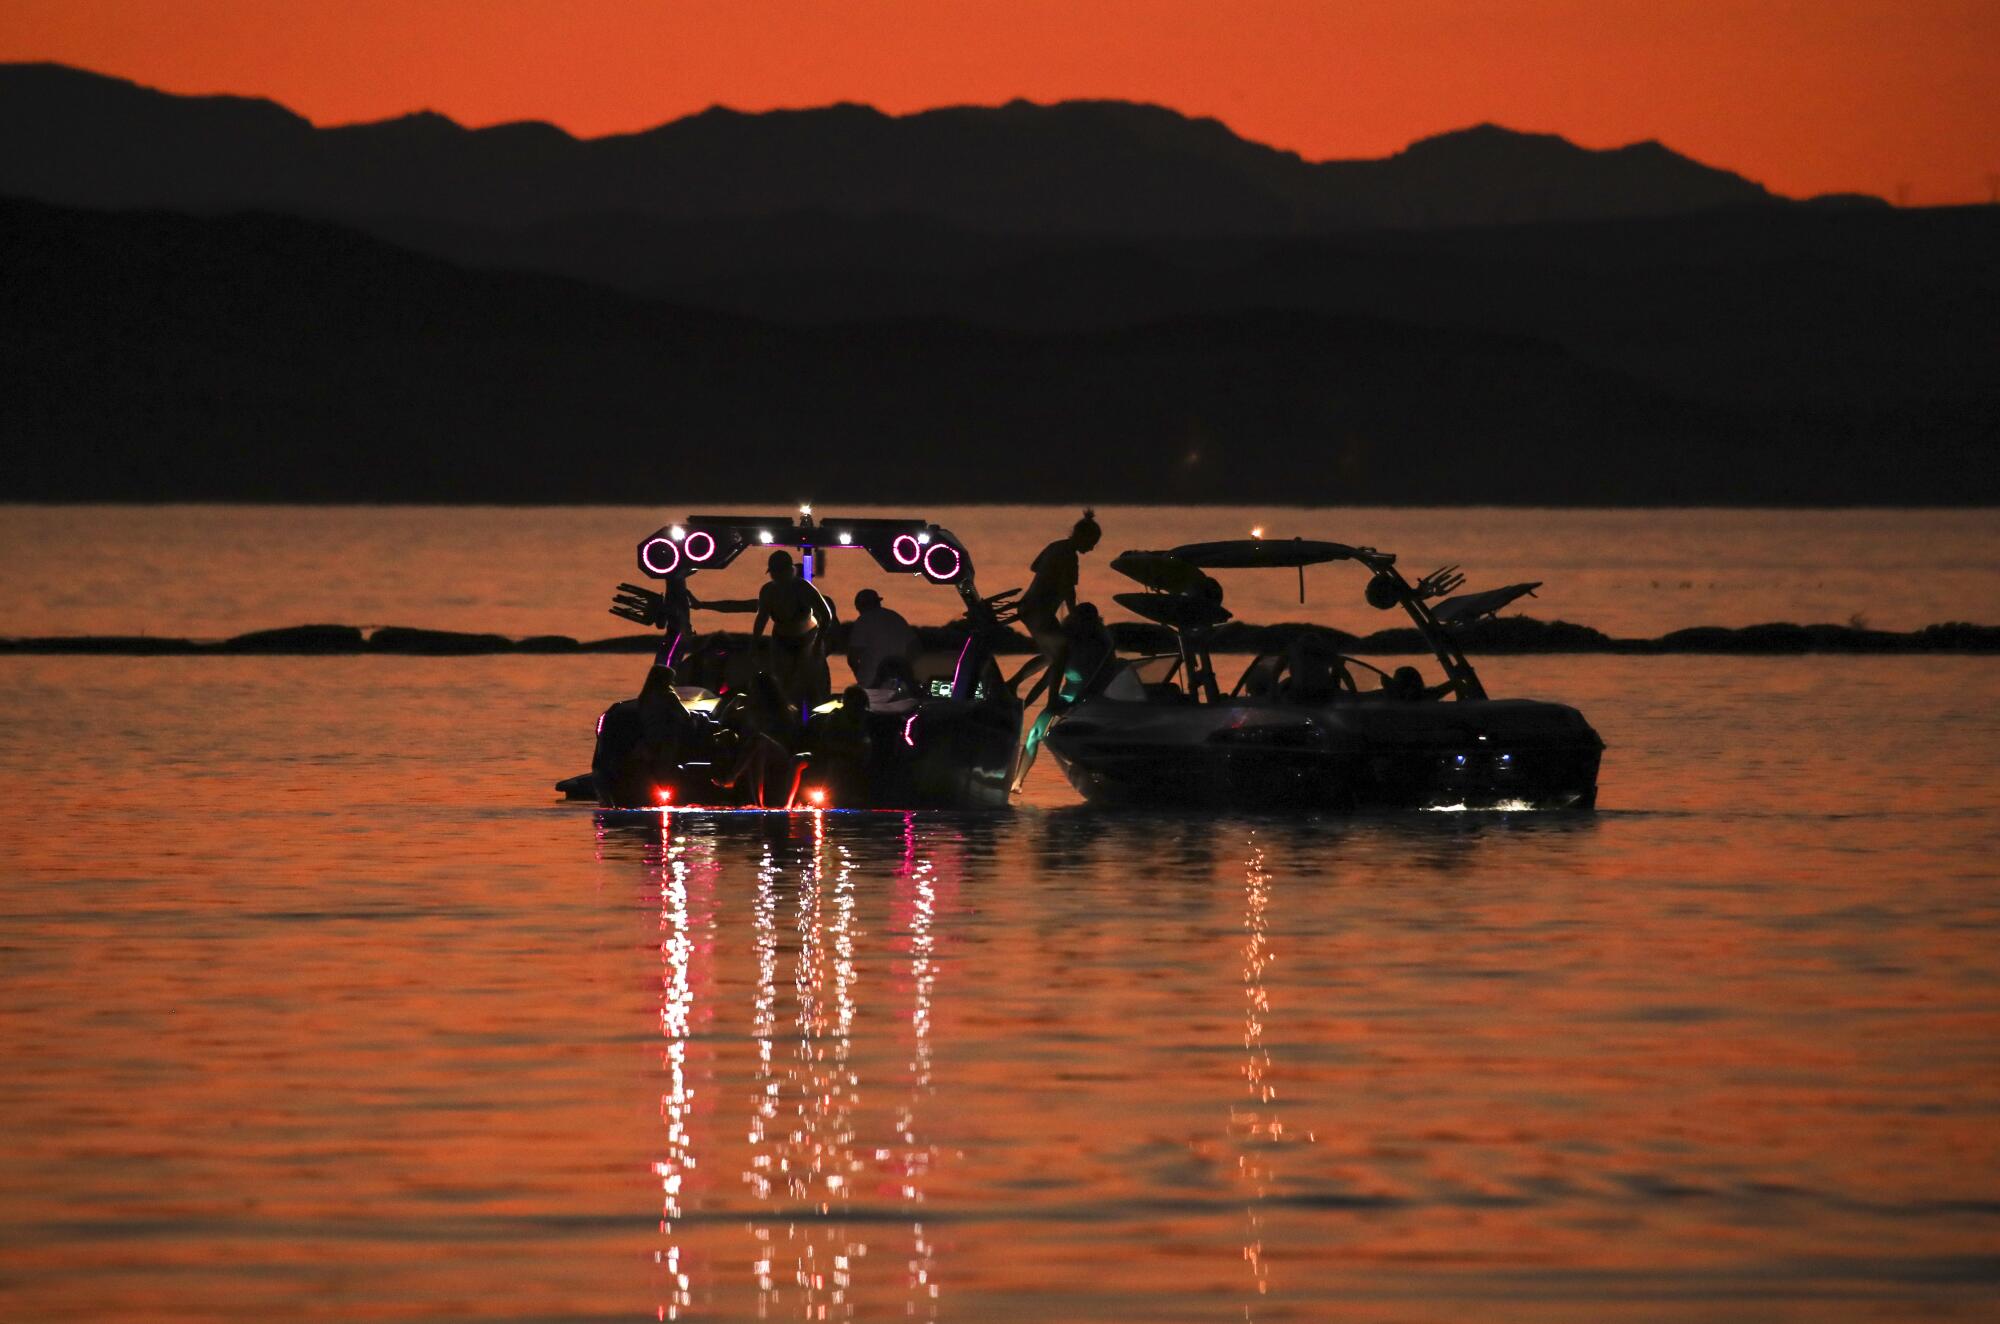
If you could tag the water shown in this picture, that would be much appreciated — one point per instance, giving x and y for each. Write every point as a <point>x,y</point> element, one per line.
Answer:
<point>216,571</point>
<point>316,1004</point>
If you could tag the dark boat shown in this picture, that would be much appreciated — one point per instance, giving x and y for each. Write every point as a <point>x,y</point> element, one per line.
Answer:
<point>1306,725</point>
<point>944,737</point>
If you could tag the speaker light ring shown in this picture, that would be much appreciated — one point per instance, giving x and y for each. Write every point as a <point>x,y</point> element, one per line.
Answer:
<point>943,576</point>
<point>651,566</point>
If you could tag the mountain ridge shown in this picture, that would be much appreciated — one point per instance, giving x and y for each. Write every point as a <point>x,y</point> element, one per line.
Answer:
<point>1079,166</point>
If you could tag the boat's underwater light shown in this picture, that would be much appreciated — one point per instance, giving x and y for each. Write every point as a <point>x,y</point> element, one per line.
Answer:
<point>660,556</point>
<point>1497,807</point>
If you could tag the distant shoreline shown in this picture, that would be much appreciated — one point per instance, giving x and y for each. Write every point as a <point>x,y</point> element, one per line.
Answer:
<point>1111,502</point>
<point>1511,635</point>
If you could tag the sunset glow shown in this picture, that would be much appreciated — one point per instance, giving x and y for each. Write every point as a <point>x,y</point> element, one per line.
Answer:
<point>1806,96</point>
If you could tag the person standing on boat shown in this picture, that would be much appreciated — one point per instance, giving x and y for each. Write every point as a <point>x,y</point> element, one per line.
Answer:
<point>797,615</point>
<point>1056,572</point>
<point>876,635</point>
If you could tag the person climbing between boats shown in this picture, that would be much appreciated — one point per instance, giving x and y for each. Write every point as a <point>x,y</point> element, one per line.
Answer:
<point>1056,572</point>
<point>798,616</point>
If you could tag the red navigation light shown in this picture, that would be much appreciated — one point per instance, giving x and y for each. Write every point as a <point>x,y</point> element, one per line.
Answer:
<point>932,557</point>
<point>816,797</point>
<point>906,551</point>
<point>663,795</point>
<point>659,556</point>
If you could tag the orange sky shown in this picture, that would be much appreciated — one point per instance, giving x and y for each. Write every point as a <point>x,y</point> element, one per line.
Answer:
<point>1807,96</point>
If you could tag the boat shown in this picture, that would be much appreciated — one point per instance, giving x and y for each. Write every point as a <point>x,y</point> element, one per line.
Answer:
<point>943,736</point>
<point>1307,725</point>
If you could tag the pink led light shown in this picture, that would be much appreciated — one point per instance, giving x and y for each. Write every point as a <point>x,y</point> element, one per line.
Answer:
<point>905,550</point>
<point>707,548</point>
<point>910,731</point>
<point>600,724</point>
<point>931,557</point>
<point>650,556</point>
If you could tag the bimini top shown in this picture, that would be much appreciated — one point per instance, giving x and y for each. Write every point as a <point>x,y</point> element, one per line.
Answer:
<point>899,546</point>
<point>1180,570</point>
<point>1273,553</point>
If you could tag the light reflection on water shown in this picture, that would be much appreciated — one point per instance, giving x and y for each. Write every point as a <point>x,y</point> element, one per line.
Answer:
<point>316,1005</point>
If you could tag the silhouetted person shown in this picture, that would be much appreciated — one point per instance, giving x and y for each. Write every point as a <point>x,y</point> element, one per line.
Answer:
<point>796,614</point>
<point>1316,672</point>
<point>1088,643</point>
<point>840,748</point>
<point>895,683</point>
<point>1053,589</point>
<point>642,742</point>
<point>1086,648</point>
<point>763,732</point>
<point>876,635</point>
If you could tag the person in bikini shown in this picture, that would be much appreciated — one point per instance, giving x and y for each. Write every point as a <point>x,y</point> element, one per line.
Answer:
<point>797,615</point>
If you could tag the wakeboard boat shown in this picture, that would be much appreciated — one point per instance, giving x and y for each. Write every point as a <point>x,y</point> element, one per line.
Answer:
<point>1307,725</point>
<point>943,735</point>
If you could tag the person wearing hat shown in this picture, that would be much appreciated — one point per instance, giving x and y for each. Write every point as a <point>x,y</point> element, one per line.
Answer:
<point>797,614</point>
<point>877,635</point>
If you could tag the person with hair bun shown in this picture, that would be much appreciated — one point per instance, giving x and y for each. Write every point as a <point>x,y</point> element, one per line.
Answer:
<point>1056,572</point>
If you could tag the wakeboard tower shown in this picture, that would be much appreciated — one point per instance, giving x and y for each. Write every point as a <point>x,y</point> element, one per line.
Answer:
<point>1307,725</point>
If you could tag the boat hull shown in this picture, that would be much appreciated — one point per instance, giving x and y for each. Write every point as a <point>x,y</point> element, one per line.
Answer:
<point>1507,753</point>
<point>939,754</point>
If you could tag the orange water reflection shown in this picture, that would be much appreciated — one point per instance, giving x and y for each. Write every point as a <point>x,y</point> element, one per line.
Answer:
<point>366,1031</point>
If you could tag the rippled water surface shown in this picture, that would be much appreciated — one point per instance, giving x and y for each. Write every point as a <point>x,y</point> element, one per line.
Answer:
<point>314,1003</point>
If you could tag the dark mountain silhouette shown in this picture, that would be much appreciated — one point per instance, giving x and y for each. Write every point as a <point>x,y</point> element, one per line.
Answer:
<point>1086,167</point>
<point>153,356</point>
<point>1804,306</point>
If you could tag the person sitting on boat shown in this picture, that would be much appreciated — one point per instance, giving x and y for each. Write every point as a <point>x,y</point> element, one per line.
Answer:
<point>1086,648</point>
<point>1056,572</point>
<point>642,742</point>
<point>797,614</point>
<point>839,744</point>
<point>1316,673</point>
<point>895,685</point>
<point>757,752</point>
<point>877,635</point>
